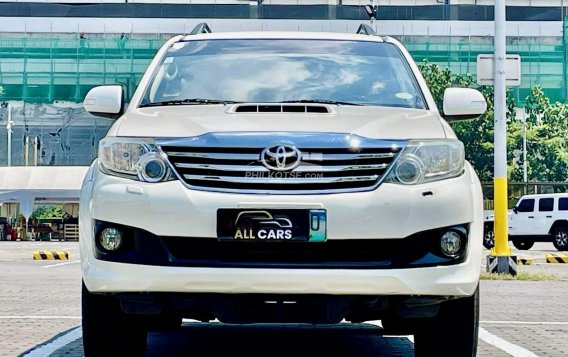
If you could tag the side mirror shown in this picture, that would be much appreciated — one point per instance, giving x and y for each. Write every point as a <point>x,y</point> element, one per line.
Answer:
<point>515,210</point>
<point>105,101</point>
<point>463,103</point>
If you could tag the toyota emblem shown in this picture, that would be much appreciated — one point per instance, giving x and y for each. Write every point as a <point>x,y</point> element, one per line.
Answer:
<point>281,157</point>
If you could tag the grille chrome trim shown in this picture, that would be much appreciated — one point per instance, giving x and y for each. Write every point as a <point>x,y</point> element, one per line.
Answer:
<point>301,168</point>
<point>330,157</point>
<point>283,181</point>
<point>229,162</point>
<point>215,156</point>
<point>305,156</point>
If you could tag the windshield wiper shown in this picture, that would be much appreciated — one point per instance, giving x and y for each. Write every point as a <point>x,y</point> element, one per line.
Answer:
<point>187,101</point>
<point>320,101</point>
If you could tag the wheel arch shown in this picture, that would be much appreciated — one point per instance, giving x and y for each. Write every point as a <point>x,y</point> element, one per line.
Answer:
<point>558,223</point>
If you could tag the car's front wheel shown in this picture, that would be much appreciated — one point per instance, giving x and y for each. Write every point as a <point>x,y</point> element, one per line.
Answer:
<point>560,237</point>
<point>452,332</point>
<point>107,330</point>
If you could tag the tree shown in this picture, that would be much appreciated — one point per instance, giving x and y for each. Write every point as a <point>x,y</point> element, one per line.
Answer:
<point>48,211</point>
<point>547,139</point>
<point>547,130</point>
<point>477,135</point>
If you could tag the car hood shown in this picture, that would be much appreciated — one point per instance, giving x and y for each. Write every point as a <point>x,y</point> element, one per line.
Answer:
<point>368,121</point>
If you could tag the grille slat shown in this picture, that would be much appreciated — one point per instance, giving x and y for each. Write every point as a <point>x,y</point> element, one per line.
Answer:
<point>308,156</point>
<point>329,162</point>
<point>301,168</point>
<point>281,181</point>
<point>215,156</point>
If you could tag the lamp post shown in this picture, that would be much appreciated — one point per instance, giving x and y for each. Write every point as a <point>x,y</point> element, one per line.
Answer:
<point>500,259</point>
<point>525,163</point>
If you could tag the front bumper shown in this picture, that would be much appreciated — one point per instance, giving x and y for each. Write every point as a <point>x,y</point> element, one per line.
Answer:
<point>390,212</point>
<point>144,248</point>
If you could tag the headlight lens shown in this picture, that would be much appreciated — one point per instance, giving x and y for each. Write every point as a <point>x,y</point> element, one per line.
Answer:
<point>427,161</point>
<point>137,159</point>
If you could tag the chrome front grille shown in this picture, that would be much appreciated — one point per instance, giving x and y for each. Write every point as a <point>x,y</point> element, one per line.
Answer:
<point>329,162</point>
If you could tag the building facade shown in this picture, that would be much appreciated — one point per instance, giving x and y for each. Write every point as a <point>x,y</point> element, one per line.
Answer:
<point>53,52</point>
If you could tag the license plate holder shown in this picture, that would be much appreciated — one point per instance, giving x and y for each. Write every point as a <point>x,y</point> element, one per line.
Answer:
<point>272,225</point>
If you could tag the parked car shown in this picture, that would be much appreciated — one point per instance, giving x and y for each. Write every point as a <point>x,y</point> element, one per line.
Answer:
<point>282,177</point>
<point>535,218</point>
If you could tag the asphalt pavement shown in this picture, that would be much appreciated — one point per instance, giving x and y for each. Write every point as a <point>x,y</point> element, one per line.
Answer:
<point>40,316</point>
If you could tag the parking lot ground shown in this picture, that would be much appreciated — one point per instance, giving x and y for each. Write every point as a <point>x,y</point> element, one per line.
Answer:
<point>40,302</point>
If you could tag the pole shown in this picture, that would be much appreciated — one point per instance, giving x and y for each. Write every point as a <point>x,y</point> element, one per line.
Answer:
<point>525,163</point>
<point>500,260</point>
<point>500,140</point>
<point>9,130</point>
<point>27,152</point>
<point>35,150</point>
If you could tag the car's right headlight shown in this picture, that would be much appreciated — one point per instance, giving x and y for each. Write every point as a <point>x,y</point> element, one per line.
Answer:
<point>134,158</point>
<point>428,160</point>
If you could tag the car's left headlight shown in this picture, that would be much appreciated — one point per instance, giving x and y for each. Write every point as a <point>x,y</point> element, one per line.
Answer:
<point>134,158</point>
<point>428,160</point>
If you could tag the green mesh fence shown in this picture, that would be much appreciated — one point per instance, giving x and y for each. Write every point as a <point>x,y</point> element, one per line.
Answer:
<point>44,70</point>
<point>565,62</point>
<point>49,69</point>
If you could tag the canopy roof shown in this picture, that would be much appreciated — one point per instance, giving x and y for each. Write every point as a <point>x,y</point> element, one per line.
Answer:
<point>27,184</point>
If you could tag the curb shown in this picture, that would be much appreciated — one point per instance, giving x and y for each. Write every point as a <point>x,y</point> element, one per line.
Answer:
<point>51,255</point>
<point>524,261</point>
<point>557,258</point>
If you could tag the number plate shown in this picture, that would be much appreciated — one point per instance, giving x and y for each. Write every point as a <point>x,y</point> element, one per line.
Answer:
<point>276,225</point>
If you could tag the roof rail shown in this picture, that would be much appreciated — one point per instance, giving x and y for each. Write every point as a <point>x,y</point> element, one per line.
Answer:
<point>365,29</point>
<point>201,28</point>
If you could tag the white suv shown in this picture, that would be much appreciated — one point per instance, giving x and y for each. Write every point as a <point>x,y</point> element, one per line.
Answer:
<point>281,177</point>
<point>535,218</point>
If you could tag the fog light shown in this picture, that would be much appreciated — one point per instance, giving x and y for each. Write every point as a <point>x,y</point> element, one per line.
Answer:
<point>110,239</point>
<point>451,243</point>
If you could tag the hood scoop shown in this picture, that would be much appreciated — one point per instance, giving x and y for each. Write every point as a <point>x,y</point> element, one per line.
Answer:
<point>282,108</point>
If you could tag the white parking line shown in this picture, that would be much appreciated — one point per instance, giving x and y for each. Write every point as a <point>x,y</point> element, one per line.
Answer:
<point>33,317</point>
<point>503,345</point>
<point>60,264</point>
<point>524,322</point>
<point>379,323</point>
<point>56,344</point>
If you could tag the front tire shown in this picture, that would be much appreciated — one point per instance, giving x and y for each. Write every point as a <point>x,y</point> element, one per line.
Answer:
<point>107,330</point>
<point>560,237</point>
<point>453,332</point>
<point>523,245</point>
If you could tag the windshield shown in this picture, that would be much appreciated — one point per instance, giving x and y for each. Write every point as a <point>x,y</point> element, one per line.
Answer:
<point>274,70</point>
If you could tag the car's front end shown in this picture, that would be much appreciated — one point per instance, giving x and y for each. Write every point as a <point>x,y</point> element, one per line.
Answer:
<point>380,238</point>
